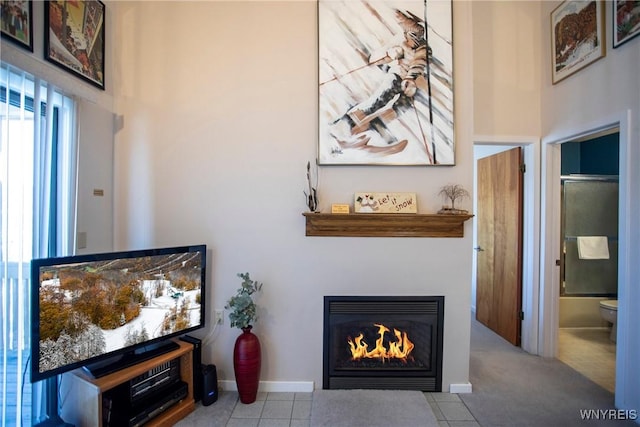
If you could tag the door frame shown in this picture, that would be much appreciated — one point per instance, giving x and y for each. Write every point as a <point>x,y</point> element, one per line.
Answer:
<point>530,233</point>
<point>628,248</point>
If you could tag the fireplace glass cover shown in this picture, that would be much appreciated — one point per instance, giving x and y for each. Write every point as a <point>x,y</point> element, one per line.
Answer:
<point>383,342</point>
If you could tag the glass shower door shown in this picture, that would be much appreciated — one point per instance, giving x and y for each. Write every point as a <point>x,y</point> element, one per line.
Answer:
<point>589,209</point>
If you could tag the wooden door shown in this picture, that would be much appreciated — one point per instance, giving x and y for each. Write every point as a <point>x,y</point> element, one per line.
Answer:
<point>499,250</point>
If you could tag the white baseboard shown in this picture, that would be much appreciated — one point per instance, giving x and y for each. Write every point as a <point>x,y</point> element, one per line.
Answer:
<point>273,386</point>
<point>460,388</point>
<point>308,386</point>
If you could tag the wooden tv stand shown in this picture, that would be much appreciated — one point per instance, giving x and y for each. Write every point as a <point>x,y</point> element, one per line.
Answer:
<point>81,395</point>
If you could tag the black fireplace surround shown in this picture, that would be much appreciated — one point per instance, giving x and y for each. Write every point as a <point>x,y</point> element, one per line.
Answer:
<point>409,324</point>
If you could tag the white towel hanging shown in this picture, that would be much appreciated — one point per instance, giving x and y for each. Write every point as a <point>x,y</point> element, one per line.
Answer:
<point>593,247</point>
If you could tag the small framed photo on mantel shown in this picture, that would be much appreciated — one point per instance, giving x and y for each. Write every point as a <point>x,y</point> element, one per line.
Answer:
<point>75,38</point>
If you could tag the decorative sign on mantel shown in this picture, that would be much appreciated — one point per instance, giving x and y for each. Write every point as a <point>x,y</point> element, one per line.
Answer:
<point>339,208</point>
<point>385,203</point>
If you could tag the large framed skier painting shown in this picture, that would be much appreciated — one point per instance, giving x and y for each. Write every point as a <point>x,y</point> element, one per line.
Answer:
<point>385,84</point>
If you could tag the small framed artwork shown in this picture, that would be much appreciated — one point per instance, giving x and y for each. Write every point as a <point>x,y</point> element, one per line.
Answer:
<point>75,39</point>
<point>17,22</point>
<point>385,87</point>
<point>626,21</point>
<point>577,36</point>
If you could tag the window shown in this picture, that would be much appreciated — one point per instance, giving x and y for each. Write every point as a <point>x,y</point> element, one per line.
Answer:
<point>37,204</point>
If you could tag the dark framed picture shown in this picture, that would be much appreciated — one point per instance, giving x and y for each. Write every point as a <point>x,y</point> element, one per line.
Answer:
<point>17,22</point>
<point>577,36</point>
<point>626,21</point>
<point>74,38</point>
<point>385,83</point>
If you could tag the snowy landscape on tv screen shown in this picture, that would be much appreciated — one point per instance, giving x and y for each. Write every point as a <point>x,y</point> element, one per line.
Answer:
<point>92,308</point>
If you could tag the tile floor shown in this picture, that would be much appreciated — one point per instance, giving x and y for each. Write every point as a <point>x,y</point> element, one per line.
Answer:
<point>273,410</point>
<point>294,410</point>
<point>590,352</point>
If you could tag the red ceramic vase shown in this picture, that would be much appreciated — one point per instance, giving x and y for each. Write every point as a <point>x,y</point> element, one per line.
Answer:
<point>246,365</point>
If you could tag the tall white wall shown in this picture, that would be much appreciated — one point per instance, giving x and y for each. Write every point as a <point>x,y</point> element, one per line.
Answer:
<point>506,68</point>
<point>218,102</point>
<point>506,95</point>
<point>95,131</point>
<point>94,225</point>
<point>603,93</point>
<point>216,106</point>
<point>606,86</point>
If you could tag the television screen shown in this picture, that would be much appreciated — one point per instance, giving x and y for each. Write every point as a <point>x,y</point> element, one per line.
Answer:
<point>112,307</point>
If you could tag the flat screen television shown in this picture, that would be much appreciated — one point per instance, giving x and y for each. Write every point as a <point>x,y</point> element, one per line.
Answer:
<point>107,311</point>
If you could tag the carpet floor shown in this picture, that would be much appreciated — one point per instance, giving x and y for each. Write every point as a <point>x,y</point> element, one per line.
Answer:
<point>512,388</point>
<point>371,408</point>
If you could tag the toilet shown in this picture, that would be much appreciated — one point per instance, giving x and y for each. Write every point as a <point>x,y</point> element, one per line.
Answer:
<point>609,312</point>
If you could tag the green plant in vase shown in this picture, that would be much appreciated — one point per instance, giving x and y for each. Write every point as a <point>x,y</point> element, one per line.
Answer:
<point>243,308</point>
<point>247,357</point>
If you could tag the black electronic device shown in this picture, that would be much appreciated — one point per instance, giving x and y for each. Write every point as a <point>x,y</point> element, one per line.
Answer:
<point>117,411</point>
<point>154,380</point>
<point>156,406</point>
<point>210,385</point>
<point>107,311</point>
<point>198,381</point>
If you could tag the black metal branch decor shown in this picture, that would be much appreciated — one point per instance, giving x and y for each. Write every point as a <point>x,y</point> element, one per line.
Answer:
<point>311,194</point>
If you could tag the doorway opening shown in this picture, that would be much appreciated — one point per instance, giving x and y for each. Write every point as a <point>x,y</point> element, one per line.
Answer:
<point>589,256</point>
<point>529,315</point>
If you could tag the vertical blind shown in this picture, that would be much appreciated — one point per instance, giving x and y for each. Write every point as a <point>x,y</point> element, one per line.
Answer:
<point>37,206</point>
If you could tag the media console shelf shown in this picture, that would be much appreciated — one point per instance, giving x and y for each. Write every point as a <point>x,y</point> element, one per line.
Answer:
<point>385,225</point>
<point>81,395</point>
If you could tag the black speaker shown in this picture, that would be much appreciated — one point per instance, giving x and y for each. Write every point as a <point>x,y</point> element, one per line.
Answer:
<point>197,365</point>
<point>210,385</point>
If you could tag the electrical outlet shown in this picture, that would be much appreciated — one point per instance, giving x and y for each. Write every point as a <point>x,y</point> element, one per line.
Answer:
<point>219,316</point>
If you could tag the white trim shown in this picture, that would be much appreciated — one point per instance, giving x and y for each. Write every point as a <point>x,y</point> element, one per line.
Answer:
<point>273,386</point>
<point>460,388</point>
<point>504,140</point>
<point>549,252</point>
<point>627,267</point>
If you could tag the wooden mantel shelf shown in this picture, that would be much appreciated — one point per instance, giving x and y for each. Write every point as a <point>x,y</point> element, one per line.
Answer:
<point>385,225</point>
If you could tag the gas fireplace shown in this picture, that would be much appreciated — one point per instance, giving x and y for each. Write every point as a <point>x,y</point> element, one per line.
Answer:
<point>383,342</point>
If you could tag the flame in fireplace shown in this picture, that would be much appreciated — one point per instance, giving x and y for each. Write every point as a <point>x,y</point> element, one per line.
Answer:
<point>398,349</point>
